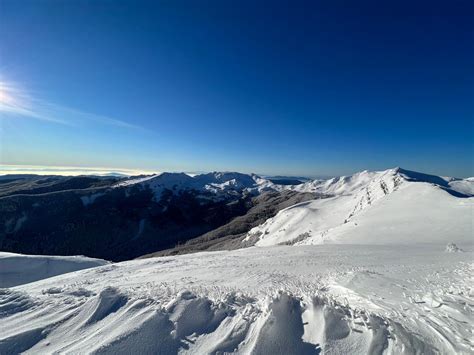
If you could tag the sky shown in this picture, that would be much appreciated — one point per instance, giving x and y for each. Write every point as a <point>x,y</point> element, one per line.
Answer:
<point>290,88</point>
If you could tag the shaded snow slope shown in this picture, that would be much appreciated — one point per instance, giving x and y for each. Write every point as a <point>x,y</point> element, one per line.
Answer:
<point>463,186</point>
<point>280,300</point>
<point>18,269</point>
<point>393,206</point>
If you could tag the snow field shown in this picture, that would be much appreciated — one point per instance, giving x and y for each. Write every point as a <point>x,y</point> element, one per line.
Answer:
<point>309,299</point>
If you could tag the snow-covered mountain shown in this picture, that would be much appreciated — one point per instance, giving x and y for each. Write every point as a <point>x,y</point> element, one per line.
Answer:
<point>213,185</point>
<point>119,219</point>
<point>392,206</point>
<point>391,177</point>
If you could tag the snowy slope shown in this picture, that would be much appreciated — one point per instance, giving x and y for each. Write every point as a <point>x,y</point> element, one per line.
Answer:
<point>393,206</point>
<point>339,185</point>
<point>349,184</point>
<point>278,300</point>
<point>18,269</point>
<point>464,186</point>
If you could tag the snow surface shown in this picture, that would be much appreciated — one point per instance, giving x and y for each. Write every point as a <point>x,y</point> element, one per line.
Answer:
<point>18,269</point>
<point>372,208</point>
<point>277,300</point>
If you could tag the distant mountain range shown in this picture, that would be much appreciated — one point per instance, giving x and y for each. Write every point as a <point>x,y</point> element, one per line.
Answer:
<point>118,218</point>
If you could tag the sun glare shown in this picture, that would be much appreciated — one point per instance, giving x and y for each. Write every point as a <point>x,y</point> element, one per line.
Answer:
<point>6,95</point>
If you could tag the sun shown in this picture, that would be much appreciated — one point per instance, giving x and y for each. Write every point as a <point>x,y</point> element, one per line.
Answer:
<point>6,97</point>
<point>3,94</point>
<point>11,98</point>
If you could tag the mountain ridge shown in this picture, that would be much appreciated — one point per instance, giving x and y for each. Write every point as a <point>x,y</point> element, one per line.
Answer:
<point>120,219</point>
<point>371,193</point>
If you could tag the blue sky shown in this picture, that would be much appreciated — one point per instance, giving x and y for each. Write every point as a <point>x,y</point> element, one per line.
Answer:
<point>296,88</point>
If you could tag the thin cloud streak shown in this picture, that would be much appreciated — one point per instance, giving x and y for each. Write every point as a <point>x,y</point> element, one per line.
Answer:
<point>17,102</point>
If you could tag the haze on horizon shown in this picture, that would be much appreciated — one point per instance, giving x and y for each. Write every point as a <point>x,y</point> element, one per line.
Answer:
<point>307,88</point>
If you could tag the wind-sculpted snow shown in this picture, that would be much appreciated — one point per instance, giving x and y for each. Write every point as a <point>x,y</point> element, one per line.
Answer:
<point>279,300</point>
<point>18,269</point>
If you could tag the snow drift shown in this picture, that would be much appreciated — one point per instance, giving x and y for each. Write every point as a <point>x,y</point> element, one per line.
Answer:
<point>18,269</point>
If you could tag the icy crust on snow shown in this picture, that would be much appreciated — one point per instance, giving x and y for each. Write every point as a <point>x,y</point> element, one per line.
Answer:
<point>18,269</point>
<point>384,207</point>
<point>213,184</point>
<point>280,300</point>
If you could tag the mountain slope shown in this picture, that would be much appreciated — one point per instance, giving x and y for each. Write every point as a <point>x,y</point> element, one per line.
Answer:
<point>44,184</point>
<point>229,236</point>
<point>374,207</point>
<point>103,218</point>
<point>350,184</point>
<point>121,220</point>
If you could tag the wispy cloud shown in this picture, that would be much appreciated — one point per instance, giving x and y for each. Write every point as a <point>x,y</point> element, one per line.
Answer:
<point>15,101</point>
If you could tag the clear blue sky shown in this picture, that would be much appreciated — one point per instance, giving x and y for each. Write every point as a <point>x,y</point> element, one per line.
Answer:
<point>315,88</point>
